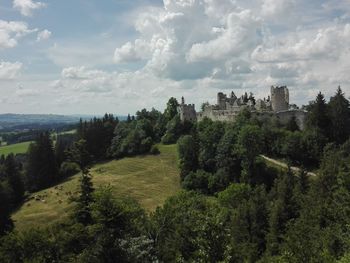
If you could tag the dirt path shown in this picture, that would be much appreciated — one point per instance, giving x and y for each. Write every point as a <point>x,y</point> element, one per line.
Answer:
<point>284,165</point>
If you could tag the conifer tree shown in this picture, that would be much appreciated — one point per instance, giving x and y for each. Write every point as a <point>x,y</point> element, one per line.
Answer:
<point>82,211</point>
<point>339,111</point>
<point>41,167</point>
<point>14,179</point>
<point>318,115</point>
<point>6,223</point>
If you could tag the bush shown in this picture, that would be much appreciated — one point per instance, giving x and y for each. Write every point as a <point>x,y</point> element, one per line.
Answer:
<point>146,145</point>
<point>69,169</point>
<point>154,150</point>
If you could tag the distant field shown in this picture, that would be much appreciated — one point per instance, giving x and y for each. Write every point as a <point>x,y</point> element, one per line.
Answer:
<point>14,148</point>
<point>148,179</point>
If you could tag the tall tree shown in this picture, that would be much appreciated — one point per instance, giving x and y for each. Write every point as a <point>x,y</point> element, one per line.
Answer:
<point>188,155</point>
<point>318,115</point>
<point>41,167</point>
<point>339,111</point>
<point>6,223</point>
<point>14,179</point>
<point>171,108</point>
<point>250,144</point>
<point>82,211</point>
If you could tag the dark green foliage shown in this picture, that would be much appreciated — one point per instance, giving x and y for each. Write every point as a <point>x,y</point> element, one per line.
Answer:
<point>318,116</point>
<point>63,143</point>
<point>339,112</point>
<point>41,168</point>
<point>209,136</point>
<point>188,155</point>
<point>171,109</point>
<point>247,222</point>
<point>227,155</point>
<point>68,169</point>
<point>173,130</point>
<point>82,211</point>
<point>154,150</point>
<point>138,136</point>
<point>292,125</point>
<point>187,228</point>
<point>14,179</point>
<point>198,181</point>
<point>98,134</point>
<point>6,223</point>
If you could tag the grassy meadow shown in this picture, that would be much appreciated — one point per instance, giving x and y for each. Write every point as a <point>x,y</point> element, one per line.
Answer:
<point>148,179</point>
<point>14,148</point>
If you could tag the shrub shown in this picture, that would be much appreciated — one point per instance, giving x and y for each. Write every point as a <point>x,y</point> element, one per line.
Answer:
<point>69,169</point>
<point>154,150</point>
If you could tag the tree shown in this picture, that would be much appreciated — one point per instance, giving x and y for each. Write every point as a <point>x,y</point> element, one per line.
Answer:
<point>226,155</point>
<point>339,112</point>
<point>292,124</point>
<point>318,115</point>
<point>209,136</point>
<point>197,181</point>
<point>250,141</point>
<point>41,169</point>
<point>82,211</point>
<point>171,109</point>
<point>6,223</point>
<point>188,155</point>
<point>14,179</point>
<point>173,130</point>
<point>284,207</point>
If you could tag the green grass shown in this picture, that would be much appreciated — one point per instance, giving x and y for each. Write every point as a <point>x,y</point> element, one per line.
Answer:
<point>148,179</point>
<point>14,148</point>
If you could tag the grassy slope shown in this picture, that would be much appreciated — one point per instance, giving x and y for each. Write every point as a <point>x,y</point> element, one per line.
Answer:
<point>148,179</point>
<point>14,148</point>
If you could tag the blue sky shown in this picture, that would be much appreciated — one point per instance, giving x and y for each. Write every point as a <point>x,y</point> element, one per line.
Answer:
<point>91,57</point>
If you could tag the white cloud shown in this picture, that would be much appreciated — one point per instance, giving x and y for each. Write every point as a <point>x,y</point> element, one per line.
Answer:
<point>43,35</point>
<point>325,43</point>
<point>9,70</point>
<point>241,35</point>
<point>11,32</point>
<point>26,7</point>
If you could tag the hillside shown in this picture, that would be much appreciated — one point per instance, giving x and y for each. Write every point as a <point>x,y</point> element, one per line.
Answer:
<point>149,179</point>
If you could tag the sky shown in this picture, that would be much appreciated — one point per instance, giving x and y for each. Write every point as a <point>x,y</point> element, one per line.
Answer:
<point>119,56</point>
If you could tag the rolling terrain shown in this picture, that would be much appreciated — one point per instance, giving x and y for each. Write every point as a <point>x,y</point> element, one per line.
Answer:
<point>148,179</point>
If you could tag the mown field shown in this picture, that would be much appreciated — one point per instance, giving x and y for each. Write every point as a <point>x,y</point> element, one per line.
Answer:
<point>14,148</point>
<point>148,179</point>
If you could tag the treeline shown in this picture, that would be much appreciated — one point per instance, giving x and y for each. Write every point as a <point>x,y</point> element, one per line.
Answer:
<point>29,132</point>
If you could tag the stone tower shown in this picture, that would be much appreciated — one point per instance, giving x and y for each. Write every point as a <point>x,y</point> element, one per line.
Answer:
<point>279,98</point>
<point>221,100</point>
<point>187,111</point>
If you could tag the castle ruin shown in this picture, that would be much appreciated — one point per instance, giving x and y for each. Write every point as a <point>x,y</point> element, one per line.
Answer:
<point>227,108</point>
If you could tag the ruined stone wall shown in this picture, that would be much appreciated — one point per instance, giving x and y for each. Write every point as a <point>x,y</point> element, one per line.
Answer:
<point>300,117</point>
<point>219,115</point>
